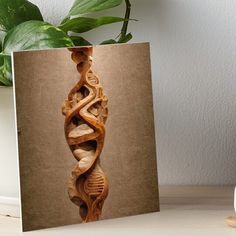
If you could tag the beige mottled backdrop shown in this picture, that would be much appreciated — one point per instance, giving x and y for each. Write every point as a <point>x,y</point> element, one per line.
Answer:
<point>42,81</point>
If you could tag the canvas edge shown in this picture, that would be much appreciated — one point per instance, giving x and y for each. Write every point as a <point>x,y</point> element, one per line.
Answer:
<point>16,137</point>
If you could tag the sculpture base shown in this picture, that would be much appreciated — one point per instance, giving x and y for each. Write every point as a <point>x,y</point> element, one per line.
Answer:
<point>231,221</point>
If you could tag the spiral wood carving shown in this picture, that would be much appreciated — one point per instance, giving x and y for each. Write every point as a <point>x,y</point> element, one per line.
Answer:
<point>85,113</point>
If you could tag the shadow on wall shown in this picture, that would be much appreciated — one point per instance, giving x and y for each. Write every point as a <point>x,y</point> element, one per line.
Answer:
<point>194,91</point>
<point>193,49</point>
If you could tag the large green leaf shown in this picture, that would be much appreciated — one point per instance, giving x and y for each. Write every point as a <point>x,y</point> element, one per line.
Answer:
<point>35,35</point>
<point>84,24</point>
<point>30,35</point>
<point>5,70</point>
<point>15,12</point>
<point>0,47</point>
<point>81,7</point>
<point>1,41</point>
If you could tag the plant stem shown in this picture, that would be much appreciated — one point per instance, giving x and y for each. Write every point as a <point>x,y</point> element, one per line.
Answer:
<point>125,23</point>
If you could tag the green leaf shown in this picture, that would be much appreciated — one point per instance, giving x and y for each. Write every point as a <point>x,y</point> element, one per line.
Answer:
<point>81,7</point>
<point>1,42</point>
<point>27,36</point>
<point>0,49</point>
<point>65,20</point>
<point>35,35</point>
<point>14,12</point>
<point>109,41</point>
<point>84,24</point>
<point>122,40</point>
<point>79,41</point>
<point>125,39</point>
<point>5,70</point>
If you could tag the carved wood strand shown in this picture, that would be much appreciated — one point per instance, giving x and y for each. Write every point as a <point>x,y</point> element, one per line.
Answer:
<point>85,113</point>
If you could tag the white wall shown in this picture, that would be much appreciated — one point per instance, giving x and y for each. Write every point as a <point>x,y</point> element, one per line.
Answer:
<point>193,46</point>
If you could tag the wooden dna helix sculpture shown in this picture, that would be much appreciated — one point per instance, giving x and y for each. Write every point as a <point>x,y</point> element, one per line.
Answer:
<point>85,113</point>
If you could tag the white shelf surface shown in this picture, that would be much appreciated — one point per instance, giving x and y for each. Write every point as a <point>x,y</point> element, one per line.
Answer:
<point>184,211</point>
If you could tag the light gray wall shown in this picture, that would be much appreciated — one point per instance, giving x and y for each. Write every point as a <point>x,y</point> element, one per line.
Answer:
<point>193,46</point>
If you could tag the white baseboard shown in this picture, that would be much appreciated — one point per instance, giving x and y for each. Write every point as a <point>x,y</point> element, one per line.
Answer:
<point>9,200</point>
<point>9,206</point>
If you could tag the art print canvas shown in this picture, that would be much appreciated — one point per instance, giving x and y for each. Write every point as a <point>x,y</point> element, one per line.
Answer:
<point>86,137</point>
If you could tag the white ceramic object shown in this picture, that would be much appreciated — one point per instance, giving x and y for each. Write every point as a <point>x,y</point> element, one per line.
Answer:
<point>8,155</point>
<point>231,220</point>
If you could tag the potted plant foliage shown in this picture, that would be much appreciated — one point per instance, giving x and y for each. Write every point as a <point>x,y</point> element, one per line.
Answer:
<point>22,27</point>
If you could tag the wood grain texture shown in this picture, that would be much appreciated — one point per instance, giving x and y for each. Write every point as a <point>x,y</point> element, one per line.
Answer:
<point>231,221</point>
<point>85,113</point>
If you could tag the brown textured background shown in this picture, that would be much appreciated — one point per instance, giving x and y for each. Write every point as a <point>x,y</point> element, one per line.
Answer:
<point>42,81</point>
